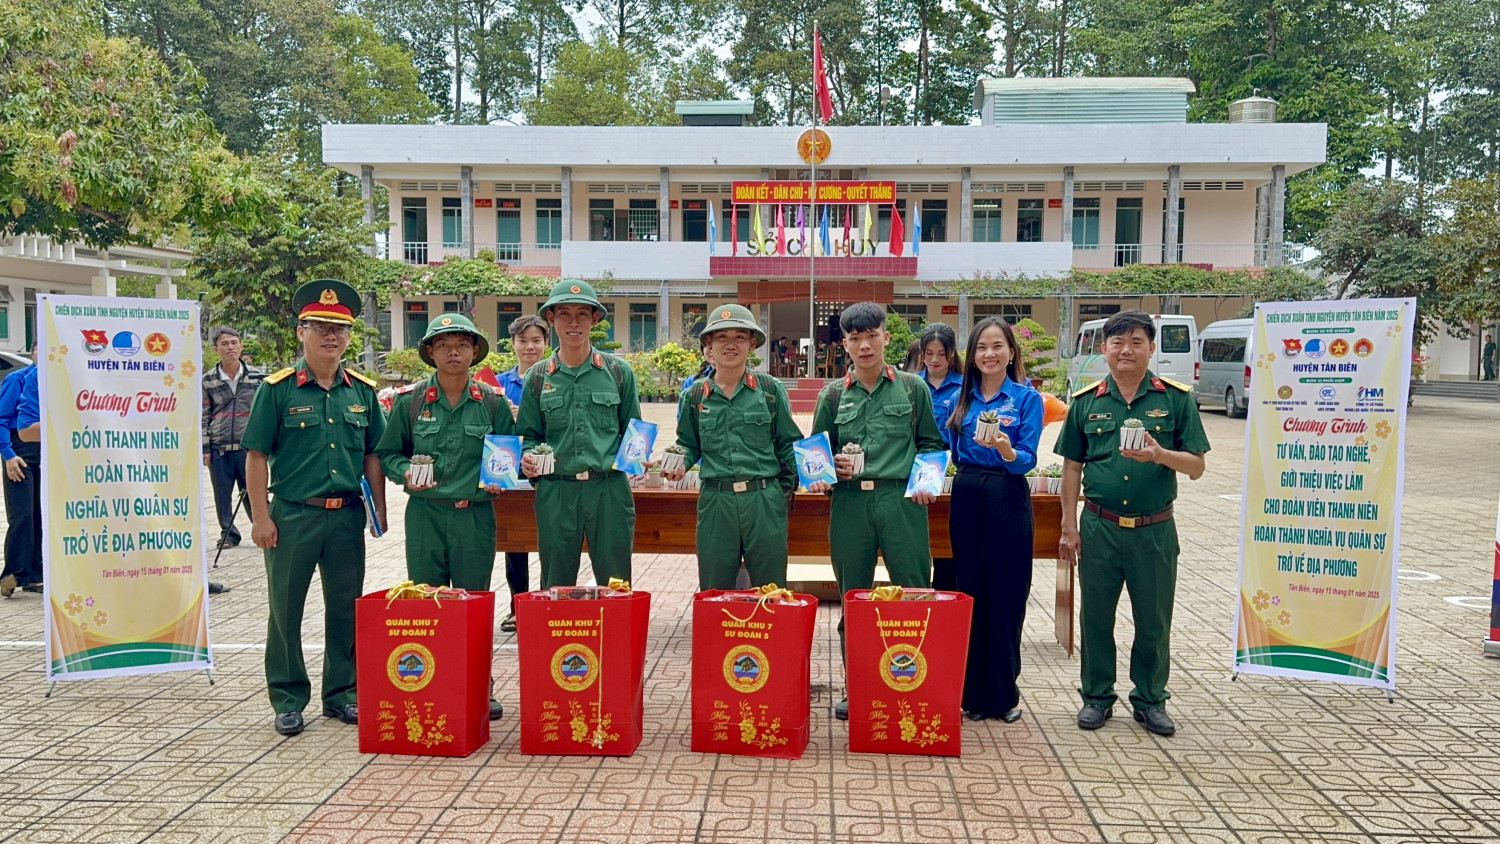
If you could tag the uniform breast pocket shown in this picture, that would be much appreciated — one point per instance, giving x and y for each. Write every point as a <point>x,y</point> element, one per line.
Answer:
<point>553,409</point>
<point>424,436</point>
<point>1103,440</point>
<point>895,420</point>
<point>851,424</point>
<point>1164,431</point>
<point>605,405</point>
<point>757,427</point>
<point>302,421</point>
<point>354,428</point>
<point>477,431</point>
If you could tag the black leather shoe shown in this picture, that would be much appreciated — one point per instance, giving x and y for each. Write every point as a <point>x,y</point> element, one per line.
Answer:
<point>496,710</point>
<point>33,587</point>
<point>348,713</point>
<point>289,723</point>
<point>841,710</point>
<point>1011,716</point>
<point>975,714</point>
<point>508,624</point>
<point>1155,720</point>
<point>216,588</point>
<point>229,543</point>
<point>1092,716</point>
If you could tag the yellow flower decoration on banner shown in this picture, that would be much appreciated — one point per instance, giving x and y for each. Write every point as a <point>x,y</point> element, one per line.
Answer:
<point>1285,618</point>
<point>1261,601</point>
<point>188,369</point>
<point>167,380</point>
<point>1382,429</point>
<point>1360,440</point>
<point>101,618</point>
<point>1269,623</point>
<point>62,351</point>
<point>74,604</point>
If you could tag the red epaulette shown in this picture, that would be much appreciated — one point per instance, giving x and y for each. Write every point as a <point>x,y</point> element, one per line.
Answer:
<point>1156,384</point>
<point>598,360</point>
<point>475,393</point>
<point>347,380</point>
<point>401,391</point>
<point>552,364</point>
<point>430,396</point>
<point>750,380</point>
<point>848,379</point>
<point>1102,390</point>
<point>302,377</point>
<point>708,388</point>
<point>890,372</point>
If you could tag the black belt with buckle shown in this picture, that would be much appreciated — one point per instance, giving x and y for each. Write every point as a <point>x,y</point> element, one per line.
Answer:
<point>592,475</point>
<point>740,486</point>
<point>1128,521</point>
<point>336,503</point>
<point>452,503</point>
<point>867,484</point>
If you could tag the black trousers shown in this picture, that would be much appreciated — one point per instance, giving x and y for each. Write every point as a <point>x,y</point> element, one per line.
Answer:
<point>944,578</point>
<point>517,564</point>
<point>991,529</point>
<point>225,470</point>
<point>23,511</point>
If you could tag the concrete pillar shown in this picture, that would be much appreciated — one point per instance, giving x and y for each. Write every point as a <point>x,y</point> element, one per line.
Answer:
<point>965,318</point>
<point>966,205</point>
<point>1170,254</point>
<point>398,322</point>
<point>663,310</point>
<point>102,284</point>
<point>1067,209</point>
<point>367,197</point>
<point>567,203</point>
<point>166,289</point>
<point>466,203</point>
<point>1065,323</point>
<point>1262,224</point>
<point>664,207</point>
<point>1277,251</point>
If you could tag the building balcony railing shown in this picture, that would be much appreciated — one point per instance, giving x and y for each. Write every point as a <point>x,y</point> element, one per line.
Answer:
<point>1217,256</point>
<point>512,254</point>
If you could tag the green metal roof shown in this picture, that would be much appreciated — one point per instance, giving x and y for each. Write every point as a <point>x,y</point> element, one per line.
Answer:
<point>1083,100</point>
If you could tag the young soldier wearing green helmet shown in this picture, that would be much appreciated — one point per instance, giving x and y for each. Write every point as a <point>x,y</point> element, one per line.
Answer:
<point>579,401</point>
<point>740,425</point>
<point>450,524</point>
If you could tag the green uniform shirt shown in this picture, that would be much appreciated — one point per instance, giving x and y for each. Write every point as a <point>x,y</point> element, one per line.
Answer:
<point>452,434</point>
<point>1091,436</point>
<point>316,439</point>
<point>740,438</point>
<point>578,410</point>
<point>893,422</point>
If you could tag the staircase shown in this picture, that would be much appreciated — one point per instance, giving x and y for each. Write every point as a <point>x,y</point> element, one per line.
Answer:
<point>1489,390</point>
<point>803,393</point>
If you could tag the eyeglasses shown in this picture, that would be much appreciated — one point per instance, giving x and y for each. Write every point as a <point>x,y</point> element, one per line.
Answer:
<point>327,329</point>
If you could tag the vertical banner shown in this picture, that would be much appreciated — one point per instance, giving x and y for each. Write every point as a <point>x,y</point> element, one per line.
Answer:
<point>122,517</point>
<point>1324,470</point>
<point>1492,643</point>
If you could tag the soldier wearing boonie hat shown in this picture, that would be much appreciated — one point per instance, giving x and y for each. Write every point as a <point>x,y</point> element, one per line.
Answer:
<point>739,424</point>
<point>311,438</point>
<point>579,402</point>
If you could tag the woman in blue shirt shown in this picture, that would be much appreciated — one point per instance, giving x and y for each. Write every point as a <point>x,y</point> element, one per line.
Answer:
<point>990,522</point>
<point>938,348</point>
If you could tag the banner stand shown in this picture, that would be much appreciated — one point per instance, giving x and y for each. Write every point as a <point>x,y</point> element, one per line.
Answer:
<point>1492,644</point>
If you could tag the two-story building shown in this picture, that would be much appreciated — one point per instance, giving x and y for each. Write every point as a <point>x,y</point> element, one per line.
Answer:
<point>1059,174</point>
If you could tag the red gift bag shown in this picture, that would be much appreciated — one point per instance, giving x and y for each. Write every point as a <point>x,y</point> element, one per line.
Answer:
<point>583,664</point>
<point>752,673</point>
<point>905,663</point>
<point>423,668</point>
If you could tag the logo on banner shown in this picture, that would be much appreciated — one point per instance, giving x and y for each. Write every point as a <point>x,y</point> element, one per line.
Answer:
<point>1364,348</point>
<point>575,667</point>
<point>746,668</point>
<point>1283,392</point>
<point>1315,348</point>
<point>157,344</point>
<point>1291,346</point>
<point>903,667</point>
<point>1370,393</point>
<point>126,344</point>
<point>1339,348</point>
<point>1329,393</point>
<point>410,667</point>
<point>95,341</point>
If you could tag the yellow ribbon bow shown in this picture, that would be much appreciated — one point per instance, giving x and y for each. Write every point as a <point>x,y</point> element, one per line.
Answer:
<point>886,593</point>
<point>410,589</point>
<point>767,592</point>
<point>619,585</point>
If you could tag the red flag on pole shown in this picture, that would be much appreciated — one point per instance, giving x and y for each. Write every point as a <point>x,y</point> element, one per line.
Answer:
<point>848,212</point>
<point>780,233</point>
<point>734,229</point>
<point>898,233</point>
<point>820,78</point>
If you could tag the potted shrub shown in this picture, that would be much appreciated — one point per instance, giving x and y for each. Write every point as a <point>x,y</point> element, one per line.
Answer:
<point>1051,479</point>
<point>546,461</point>
<point>948,478</point>
<point>988,426</point>
<point>856,453</point>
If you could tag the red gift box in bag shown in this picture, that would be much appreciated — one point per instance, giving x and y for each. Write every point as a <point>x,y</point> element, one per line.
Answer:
<point>907,650</point>
<point>583,665</point>
<point>752,672</point>
<point>423,668</point>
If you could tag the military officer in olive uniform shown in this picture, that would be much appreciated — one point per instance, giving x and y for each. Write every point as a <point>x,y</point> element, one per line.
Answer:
<point>1127,536</point>
<point>740,425</point>
<point>578,402</point>
<point>311,438</point>
<point>889,414</point>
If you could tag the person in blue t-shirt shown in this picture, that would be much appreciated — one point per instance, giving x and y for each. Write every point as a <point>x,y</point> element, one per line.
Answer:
<point>990,521</point>
<point>938,355</point>
<point>528,338</point>
<point>21,446</point>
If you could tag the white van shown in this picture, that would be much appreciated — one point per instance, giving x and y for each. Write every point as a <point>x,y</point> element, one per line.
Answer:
<point>1176,351</point>
<point>1224,352</point>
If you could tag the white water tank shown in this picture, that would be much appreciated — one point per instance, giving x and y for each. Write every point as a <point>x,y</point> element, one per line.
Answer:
<point>1253,110</point>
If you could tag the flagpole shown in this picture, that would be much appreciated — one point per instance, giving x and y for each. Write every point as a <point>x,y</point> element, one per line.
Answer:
<point>812,260</point>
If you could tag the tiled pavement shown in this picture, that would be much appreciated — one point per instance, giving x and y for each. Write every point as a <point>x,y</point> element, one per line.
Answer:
<point>170,758</point>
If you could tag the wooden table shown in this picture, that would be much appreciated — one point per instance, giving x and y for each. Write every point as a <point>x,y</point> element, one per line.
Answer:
<point>666,522</point>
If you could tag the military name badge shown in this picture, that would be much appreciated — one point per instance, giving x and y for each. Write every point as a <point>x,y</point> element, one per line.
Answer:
<point>410,667</point>
<point>303,409</point>
<point>575,667</point>
<point>1095,417</point>
<point>746,669</point>
<point>903,667</point>
<point>1156,414</point>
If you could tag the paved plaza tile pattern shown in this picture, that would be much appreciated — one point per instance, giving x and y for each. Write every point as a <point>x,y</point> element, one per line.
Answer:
<point>170,758</point>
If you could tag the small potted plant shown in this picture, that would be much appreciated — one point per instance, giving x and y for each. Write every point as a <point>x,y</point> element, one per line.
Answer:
<point>545,460</point>
<point>989,425</point>
<point>421,472</point>
<point>672,458</point>
<point>689,478</point>
<point>1033,479</point>
<point>856,453</point>
<point>653,474</point>
<point>1132,434</point>
<point>948,479</point>
<point>1051,480</point>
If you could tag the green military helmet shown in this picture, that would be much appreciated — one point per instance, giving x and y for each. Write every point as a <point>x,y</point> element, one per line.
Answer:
<point>572,291</point>
<point>327,300</point>
<point>725,317</point>
<point>447,324</point>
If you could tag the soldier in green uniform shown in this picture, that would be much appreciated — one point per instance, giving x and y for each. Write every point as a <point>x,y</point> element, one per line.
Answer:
<point>311,438</point>
<point>450,523</point>
<point>889,414</point>
<point>740,425</point>
<point>1127,536</point>
<point>579,401</point>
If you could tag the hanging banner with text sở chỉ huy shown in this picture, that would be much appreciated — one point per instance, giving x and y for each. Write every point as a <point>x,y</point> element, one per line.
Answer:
<point>1324,467</point>
<point>121,490</point>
